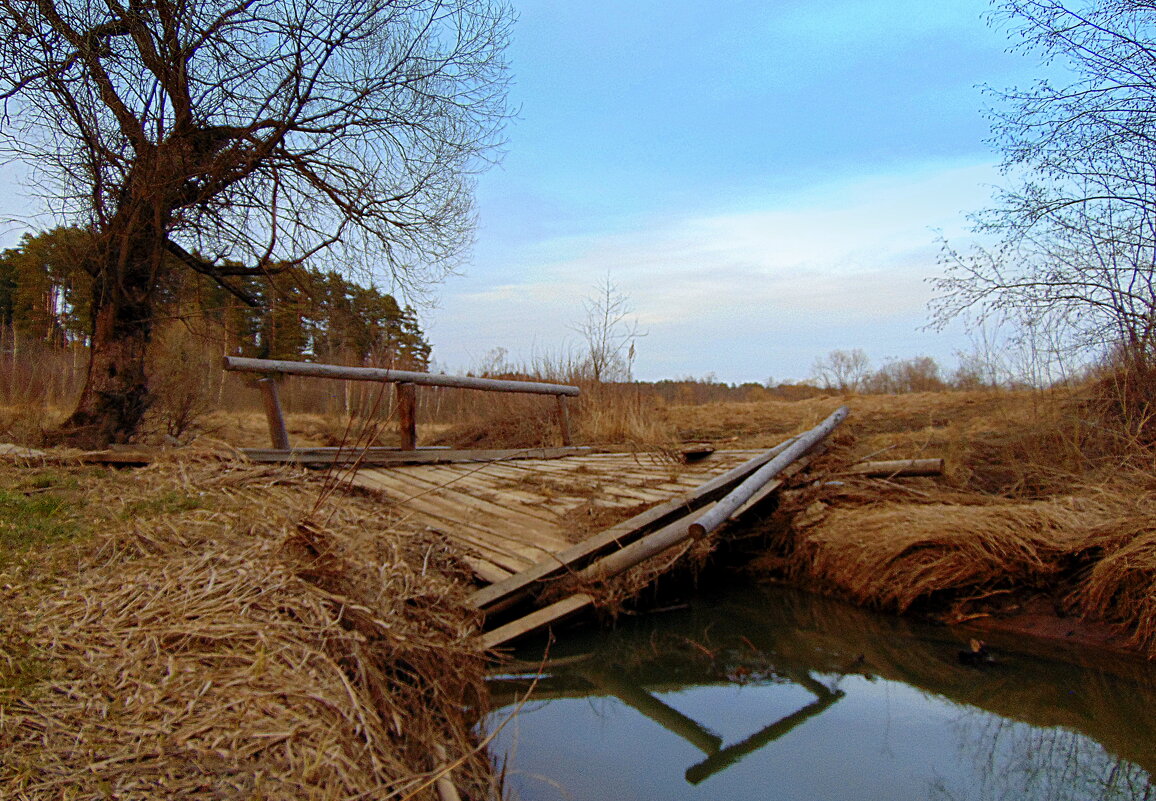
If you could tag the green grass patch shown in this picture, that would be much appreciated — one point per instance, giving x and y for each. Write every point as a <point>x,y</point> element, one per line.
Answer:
<point>29,521</point>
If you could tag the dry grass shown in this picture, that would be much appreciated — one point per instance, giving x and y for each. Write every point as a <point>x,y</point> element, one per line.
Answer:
<point>1093,555</point>
<point>200,643</point>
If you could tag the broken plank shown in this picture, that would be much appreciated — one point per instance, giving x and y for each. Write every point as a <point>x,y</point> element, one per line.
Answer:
<point>554,613</point>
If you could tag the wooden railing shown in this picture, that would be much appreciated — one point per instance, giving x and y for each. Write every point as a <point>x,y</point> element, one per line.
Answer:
<point>405,383</point>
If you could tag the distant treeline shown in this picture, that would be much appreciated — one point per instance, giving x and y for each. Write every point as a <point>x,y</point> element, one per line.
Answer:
<point>46,298</point>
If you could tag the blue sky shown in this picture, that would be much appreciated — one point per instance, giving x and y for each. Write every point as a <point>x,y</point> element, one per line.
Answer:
<point>763,180</point>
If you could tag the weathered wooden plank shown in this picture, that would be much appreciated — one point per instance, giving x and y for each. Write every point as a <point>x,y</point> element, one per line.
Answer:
<point>504,593</point>
<point>484,569</point>
<point>554,613</point>
<point>370,457</point>
<point>406,488</point>
<point>511,548</point>
<point>480,484</point>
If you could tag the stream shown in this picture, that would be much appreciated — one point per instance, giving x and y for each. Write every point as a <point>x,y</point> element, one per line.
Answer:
<point>769,693</point>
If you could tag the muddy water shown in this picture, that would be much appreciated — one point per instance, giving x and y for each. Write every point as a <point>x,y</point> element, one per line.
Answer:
<point>765,693</point>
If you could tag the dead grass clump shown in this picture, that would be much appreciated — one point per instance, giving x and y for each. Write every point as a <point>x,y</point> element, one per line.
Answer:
<point>893,555</point>
<point>216,649</point>
<point>1121,587</point>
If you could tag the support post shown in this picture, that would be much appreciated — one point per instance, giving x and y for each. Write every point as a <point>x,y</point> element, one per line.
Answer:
<point>564,419</point>
<point>278,434</point>
<point>407,415</point>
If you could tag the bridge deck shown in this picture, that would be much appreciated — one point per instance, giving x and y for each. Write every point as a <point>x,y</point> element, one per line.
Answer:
<point>508,515</point>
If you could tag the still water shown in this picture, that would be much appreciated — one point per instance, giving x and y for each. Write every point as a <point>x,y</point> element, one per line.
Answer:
<point>765,693</point>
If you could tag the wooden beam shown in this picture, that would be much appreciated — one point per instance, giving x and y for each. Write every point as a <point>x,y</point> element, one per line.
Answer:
<point>245,365</point>
<point>505,593</point>
<point>381,457</point>
<point>564,419</point>
<point>278,433</point>
<point>407,415</point>
<point>554,613</point>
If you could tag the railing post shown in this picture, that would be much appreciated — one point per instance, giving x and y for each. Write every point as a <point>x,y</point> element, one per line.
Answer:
<point>278,434</point>
<point>407,415</point>
<point>564,418</point>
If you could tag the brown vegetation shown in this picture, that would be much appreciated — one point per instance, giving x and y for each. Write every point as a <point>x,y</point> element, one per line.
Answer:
<point>194,638</point>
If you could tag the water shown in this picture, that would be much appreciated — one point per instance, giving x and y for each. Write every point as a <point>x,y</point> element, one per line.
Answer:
<point>771,694</point>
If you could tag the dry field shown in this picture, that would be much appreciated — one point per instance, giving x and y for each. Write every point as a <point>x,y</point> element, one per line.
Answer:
<point>209,628</point>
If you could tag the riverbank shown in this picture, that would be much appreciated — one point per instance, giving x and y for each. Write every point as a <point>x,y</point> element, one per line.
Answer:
<point>1026,532</point>
<point>209,627</point>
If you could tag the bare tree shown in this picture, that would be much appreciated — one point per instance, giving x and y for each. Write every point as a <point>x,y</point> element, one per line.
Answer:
<point>610,333</point>
<point>1076,224</point>
<point>843,370</point>
<point>239,138</point>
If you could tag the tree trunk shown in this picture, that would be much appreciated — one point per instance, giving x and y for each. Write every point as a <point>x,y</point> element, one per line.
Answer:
<point>116,393</point>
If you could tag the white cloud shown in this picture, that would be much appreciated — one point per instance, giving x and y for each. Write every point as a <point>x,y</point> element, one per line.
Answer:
<point>844,257</point>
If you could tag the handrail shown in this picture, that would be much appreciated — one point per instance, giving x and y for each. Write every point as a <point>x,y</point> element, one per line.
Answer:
<point>246,365</point>
<point>405,381</point>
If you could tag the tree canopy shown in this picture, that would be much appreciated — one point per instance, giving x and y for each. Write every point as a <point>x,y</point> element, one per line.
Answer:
<point>314,315</point>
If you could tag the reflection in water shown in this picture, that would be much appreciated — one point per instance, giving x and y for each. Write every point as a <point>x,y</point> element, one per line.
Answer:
<point>784,695</point>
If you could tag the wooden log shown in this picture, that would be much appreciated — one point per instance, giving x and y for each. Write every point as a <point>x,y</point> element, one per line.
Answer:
<point>897,468</point>
<point>407,415</point>
<point>564,418</point>
<point>639,551</point>
<point>716,516</point>
<point>506,593</point>
<point>278,433</point>
<point>246,365</point>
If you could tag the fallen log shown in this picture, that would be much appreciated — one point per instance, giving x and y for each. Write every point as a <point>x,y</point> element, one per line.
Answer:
<point>716,516</point>
<point>896,468</point>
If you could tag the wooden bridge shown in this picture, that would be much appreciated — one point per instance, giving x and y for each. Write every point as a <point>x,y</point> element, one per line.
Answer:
<point>524,519</point>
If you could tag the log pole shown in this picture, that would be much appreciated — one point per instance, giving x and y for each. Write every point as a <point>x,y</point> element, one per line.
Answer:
<point>720,512</point>
<point>407,415</point>
<point>564,420</point>
<point>898,467</point>
<point>278,433</point>
<point>245,365</point>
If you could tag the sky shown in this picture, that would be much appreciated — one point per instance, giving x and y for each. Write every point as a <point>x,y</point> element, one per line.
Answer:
<point>763,181</point>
